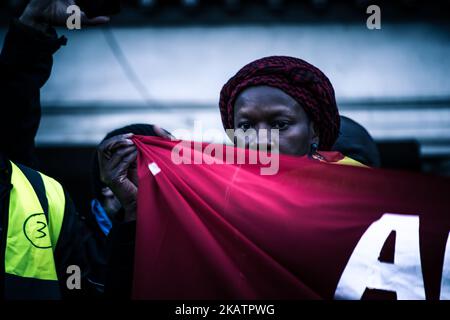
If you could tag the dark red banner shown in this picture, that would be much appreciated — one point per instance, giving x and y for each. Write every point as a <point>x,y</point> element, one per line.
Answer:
<point>313,230</point>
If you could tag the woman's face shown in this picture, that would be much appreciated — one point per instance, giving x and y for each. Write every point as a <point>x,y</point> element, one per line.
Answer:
<point>264,107</point>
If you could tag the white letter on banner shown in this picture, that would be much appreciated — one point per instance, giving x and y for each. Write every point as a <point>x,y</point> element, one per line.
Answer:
<point>364,270</point>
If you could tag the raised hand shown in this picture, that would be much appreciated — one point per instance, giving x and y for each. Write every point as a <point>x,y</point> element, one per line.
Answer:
<point>117,164</point>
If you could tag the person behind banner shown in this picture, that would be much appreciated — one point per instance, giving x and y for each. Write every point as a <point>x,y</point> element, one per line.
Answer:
<point>108,211</point>
<point>355,142</point>
<point>282,93</point>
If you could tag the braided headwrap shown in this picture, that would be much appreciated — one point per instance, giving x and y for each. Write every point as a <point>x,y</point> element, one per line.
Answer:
<point>299,79</point>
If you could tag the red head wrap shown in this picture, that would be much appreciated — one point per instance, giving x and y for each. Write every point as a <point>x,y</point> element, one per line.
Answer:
<point>299,79</point>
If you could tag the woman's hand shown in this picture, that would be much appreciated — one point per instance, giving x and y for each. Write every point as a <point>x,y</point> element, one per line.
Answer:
<point>41,14</point>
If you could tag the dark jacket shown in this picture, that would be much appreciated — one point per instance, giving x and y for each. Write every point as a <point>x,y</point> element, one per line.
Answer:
<point>119,275</point>
<point>25,65</point>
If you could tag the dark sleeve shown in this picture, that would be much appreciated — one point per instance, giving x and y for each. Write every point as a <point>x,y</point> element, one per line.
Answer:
<point>25,65</point>
<point>80,245</point>
<point>120,265</point>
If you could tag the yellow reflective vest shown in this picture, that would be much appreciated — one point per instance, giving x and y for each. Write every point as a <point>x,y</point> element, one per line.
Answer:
<point>35,217</point>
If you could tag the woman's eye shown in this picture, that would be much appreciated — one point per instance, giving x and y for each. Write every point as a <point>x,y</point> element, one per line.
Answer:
<point>244,126</point>
<point>280,125</point>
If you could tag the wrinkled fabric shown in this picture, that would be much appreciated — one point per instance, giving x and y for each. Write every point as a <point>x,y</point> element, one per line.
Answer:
<point>224,231</point>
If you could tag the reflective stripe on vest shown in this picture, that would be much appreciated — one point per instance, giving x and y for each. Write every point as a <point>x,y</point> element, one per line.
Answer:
<point>31,239</point>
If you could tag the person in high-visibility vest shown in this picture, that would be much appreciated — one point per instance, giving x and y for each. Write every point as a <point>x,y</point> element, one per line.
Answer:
<point>47,249</point>
<point>35,246</point>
